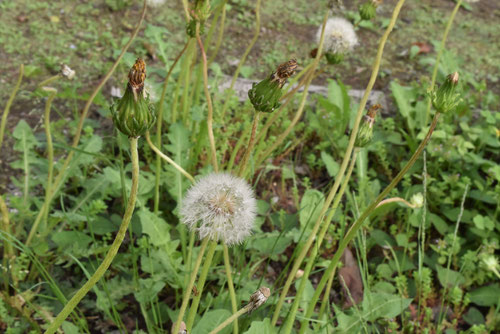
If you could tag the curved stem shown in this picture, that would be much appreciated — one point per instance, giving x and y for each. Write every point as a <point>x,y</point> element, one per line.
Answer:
<point>50,148</point>
<point>159,123</point>
<point>439,55</point>
<point>9,103</point>
<point>397,199</point>
<point>200,285</point>
<point>167,159</point>
<point>232,318</point>
<point>220,35</point>
<point>315,249</point>
<point>347,155</point>
<point>189,288</point>
<point>76,139</point>
<point>244,57</point>
<point>113,250</point>
<point>230,285</point>
<point>251,144</point>
<point>359,222</point>
<point>209,101</point>
<point>49,80</point>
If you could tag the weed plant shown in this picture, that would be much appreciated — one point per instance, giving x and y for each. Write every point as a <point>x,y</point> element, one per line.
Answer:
<point>289,212</point>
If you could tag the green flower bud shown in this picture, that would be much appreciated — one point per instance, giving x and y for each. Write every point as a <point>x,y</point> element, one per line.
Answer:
<point>199,14</point>
<point>133,114</point>
<point>444,99</point>
<point>334,58</point>
<point>365,133</point>
<point>367,11</point>
<point>266,94</point>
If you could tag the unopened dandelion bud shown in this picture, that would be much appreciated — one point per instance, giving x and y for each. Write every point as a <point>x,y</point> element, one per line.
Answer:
<point>266,94</point>
<point>365,133</point>
<point>445,99</point>
<point>367,11</point>
<point>220,207</point>
<point>258,298</point>
<point>133,114</point>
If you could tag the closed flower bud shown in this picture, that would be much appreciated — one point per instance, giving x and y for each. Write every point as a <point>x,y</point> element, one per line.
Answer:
<point>444,99</point>
<point>365,133</point>
<point>258,298</point>
<point>367,10</point>
<point>133,115</point>
<point>334,58</point>
<point>266,94</point>
<point>199,14</point>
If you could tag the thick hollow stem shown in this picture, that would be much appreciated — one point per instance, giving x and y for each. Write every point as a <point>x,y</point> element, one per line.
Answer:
<point>210,115</point>
<point>76,139</point>
<point>251,144</point>
<point>189,287</point>
<point>230,285</point>
<point>113,250</point>
<point>159,124</point>
<point>9,103</point>
<point>200,285</point>
<point>167,159</point>
<point>440,54</point>
<point>359,222</point>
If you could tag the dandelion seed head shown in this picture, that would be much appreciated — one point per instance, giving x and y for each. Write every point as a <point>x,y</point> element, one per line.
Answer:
<point>340,36</point>
<point>220,207</point>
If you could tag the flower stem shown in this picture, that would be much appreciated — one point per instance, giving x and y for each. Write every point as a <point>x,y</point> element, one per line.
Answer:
<point>209,102</point>
<point>159,123</point>
<point>9,103</point>
<point>347,155</point>
<point>244,56</point>
<point>230,285</point>
<point>251,144</point>
<point>76,139</point>
<point>9,253</point>
<point>189,287</point>
<point>50,149</point>
<point>351,233</point>
<point>167,159</point>
<point>439,55</point>
<point>200,285</point>
<point>232,318</point>
<point>221,33</point>
<point>113,250</point>
<point>315,249</point>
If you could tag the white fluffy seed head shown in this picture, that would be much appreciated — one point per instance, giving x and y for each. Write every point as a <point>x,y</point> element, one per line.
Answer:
<point>220,207</point>
<point>340,36</point>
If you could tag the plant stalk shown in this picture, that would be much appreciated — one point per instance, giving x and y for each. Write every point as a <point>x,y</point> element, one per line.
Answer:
<point>230,286</point>
<point>9,103</point>
<point>251,144</point>
<point>232,318</point>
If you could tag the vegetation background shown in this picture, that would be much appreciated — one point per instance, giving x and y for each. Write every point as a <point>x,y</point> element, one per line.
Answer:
<point>461,183</point>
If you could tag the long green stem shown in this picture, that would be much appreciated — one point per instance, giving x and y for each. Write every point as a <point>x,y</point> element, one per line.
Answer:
<point>232,318</point>
<point>159,123</point>
<point>440,54</point>
<point>167,159</point>
<point>351,233</point>
<point>315,249</point>
<point>189,287</point>
<point>200,285</point>
<point>113,250</point>
<point>76,139</point>
<point>244,57</point>
<point>230,285</point>
<point>209,102</point>
<point>9,103</point>
<point>251,144</point>
<point>50,148</point>
<point>347,155</point>
<point>220,34</point>
<point>8,253</point>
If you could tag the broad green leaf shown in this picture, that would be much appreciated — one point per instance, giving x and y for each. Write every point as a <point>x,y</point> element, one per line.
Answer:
<point>211,320</point>
<point>383,305</point>
<point>26,140</point>
<point>307,294</point>
<point>155,227</point>
<point>71,240</point>
<point>473,317</point>
<point>272,243</point>
<point>262,327</point>
<point>331,165</point>
<point>449,277</point>
<point>486,295</point>
<point>148,289</point>
<point>310,207</point>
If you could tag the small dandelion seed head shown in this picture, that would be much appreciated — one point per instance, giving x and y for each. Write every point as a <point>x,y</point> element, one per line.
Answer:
<point>340,36</point>
<point>220,207</point>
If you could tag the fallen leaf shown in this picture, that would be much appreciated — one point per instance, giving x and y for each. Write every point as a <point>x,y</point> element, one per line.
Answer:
<point>350,280</point>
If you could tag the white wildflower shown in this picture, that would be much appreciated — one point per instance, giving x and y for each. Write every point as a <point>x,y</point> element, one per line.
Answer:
<point>340,36</point>
<point>220,207</point>
<point>155,3</point>
<point>67,72</point>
